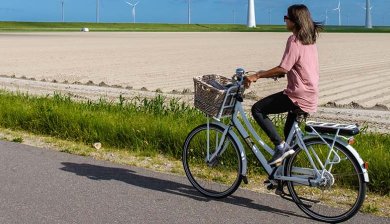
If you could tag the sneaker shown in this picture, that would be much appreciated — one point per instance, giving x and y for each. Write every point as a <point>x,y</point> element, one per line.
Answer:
<point>280,154</point>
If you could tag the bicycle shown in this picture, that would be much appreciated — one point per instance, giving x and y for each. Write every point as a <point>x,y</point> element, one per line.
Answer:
<point>325,177</point>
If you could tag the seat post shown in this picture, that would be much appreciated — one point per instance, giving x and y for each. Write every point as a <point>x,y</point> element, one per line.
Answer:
<point>301,115</point>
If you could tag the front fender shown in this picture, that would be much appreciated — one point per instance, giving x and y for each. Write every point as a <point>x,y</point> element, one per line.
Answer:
<point>352,150</point>
<point>240,147</point>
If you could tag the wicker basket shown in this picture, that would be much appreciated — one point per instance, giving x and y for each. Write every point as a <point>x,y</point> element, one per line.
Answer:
<point>210,94</point>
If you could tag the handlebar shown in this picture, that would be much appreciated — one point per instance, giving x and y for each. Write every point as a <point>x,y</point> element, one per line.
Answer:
<point>241,73</point>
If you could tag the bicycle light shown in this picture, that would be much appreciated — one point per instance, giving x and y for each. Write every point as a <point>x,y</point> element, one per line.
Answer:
<point>365,165</point>
<point>351,141</point>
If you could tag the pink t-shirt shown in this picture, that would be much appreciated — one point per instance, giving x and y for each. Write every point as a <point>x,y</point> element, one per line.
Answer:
<point>301,62</point>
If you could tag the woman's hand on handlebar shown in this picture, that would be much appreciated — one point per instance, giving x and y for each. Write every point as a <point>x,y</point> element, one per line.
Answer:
<point>249,79</point>
<point>274,73</point>
<point>253,77</point>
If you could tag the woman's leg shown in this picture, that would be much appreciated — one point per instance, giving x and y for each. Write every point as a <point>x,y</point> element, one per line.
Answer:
<point>289,123</point>
<point>273,104</point>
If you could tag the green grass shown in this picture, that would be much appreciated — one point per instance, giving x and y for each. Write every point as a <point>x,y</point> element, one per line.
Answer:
<point>128,27</point>
<point>375,149</point>
<point>147,126</point>
<point>141,124</point>
<point>156,27</point>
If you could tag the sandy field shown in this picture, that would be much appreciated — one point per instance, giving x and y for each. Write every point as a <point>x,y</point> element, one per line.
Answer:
<point>354,68</point>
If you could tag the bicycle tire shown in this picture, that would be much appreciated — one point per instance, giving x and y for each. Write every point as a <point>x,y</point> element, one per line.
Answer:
<point>340,196</point>
<point>219,179</point>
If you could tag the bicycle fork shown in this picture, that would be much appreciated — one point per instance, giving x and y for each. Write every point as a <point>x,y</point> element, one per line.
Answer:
<point>220,145</point>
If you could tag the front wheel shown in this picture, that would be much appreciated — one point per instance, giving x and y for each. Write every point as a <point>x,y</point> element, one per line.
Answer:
<point>342,189</point>
<point>216,178</point>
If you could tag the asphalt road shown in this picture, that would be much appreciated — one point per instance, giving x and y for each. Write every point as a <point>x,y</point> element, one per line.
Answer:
<point>44,186</point>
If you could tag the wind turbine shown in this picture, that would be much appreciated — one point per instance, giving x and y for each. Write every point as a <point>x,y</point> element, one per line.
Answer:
<point>189,11</point>
<point>326,17</point>
<point>234,16</point>
<point>133,9</point>
<point>62,5</point>
<point>269,16</point>
<point>251,22</point>
<point>97,11</point>
<point>368,14</point>
<point>339,10</point>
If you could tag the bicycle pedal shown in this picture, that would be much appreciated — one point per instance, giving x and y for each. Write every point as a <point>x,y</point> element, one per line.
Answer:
<point>271,187</point>
<point>279,191</point>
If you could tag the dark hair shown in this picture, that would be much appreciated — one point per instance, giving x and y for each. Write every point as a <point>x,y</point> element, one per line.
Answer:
<point>305,29</point>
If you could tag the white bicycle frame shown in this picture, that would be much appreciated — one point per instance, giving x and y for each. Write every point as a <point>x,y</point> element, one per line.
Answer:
<point>307,176</point>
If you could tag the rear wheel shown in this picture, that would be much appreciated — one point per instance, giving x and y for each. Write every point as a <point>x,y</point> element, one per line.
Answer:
<point>220,177</point>
<point>342,190</point>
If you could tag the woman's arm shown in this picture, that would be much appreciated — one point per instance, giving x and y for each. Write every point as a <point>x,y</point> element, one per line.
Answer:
<point>276,71</point>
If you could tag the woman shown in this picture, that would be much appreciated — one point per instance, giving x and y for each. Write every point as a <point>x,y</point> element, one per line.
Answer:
<point>300,63</point>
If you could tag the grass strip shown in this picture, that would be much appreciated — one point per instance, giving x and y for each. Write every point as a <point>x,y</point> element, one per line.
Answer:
<point>148,126</point>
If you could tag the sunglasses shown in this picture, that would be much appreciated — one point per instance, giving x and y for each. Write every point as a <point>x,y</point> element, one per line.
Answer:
<point>286,18</point>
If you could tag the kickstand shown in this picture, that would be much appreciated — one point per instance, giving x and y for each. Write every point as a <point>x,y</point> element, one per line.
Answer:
<point>280,191</point>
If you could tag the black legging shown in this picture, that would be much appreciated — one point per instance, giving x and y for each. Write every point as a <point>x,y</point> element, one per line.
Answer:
<point>274,104</point>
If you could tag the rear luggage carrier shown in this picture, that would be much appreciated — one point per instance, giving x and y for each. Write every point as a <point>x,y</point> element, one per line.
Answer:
<point>332,128</point>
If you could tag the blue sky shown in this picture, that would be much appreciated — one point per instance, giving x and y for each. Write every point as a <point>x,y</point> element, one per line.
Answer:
<point>175,11</point>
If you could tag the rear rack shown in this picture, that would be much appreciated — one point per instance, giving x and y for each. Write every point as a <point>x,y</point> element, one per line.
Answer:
<point>332,128</point>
